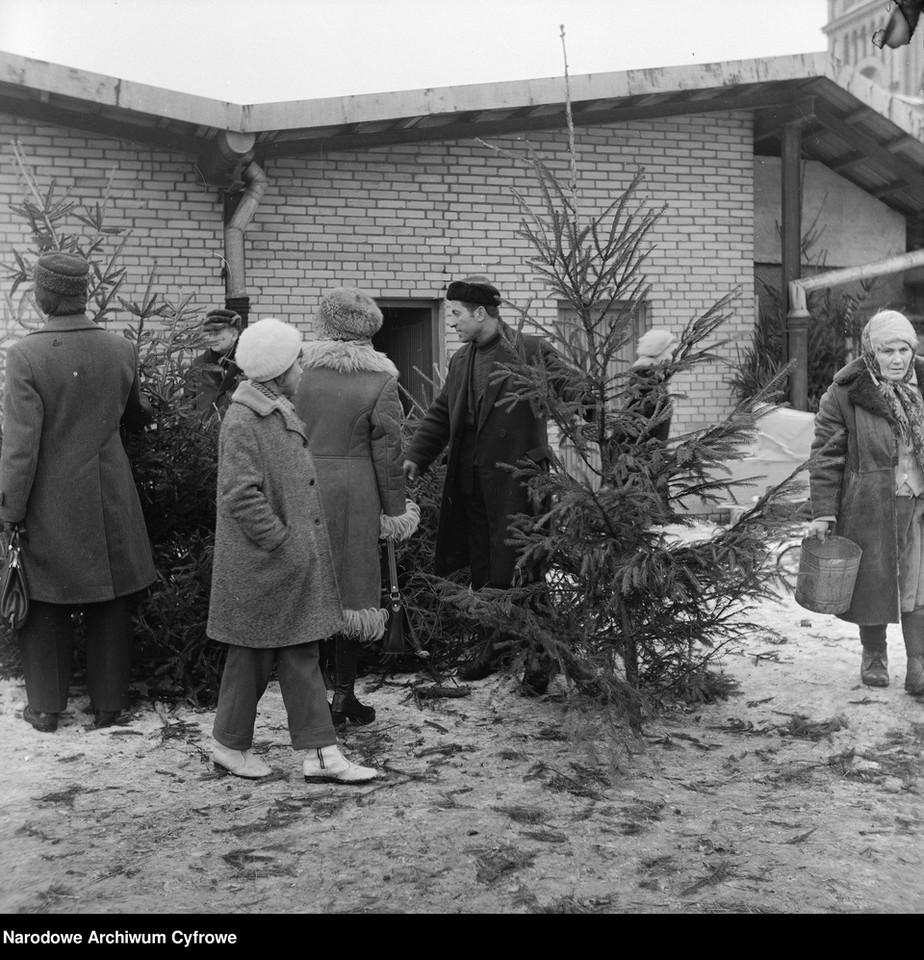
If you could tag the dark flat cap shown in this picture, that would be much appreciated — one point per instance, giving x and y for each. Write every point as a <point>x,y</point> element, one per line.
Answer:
<point>219,318</point>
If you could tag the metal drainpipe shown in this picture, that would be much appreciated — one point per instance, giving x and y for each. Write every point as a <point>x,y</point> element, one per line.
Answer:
<point>236,281</point>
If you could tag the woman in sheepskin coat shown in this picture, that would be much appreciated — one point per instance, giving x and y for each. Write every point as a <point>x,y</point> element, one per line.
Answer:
<point>274,590</point>
<point>868,484</point>
<point>349,402</point>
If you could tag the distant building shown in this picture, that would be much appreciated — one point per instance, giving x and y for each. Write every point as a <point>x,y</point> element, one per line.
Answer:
<point>850,28</point>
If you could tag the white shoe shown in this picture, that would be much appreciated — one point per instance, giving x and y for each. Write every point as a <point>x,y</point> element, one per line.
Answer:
<point>328,763</point>
<point>242,763</point>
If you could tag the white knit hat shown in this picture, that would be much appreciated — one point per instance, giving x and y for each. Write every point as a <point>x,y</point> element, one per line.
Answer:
<point>653,346</point>
<point>267,348</point>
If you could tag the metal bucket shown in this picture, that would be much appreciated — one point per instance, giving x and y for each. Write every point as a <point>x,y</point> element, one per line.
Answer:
<point>827,574</point>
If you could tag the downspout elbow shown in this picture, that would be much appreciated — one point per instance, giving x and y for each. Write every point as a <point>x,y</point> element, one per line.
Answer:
<point>256,181</point>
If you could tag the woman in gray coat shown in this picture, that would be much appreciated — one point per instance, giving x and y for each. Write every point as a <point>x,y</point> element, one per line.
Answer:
<point>352,413</point>
<point>274,590</point>
<point>868,485</point>
<point>66,482</point>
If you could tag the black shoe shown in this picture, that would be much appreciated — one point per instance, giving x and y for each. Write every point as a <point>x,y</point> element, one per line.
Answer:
<point>345,707</point>
<point>535,683</point>
<point>477,669</point>
<point>105,718</point>
<point>45,722</point>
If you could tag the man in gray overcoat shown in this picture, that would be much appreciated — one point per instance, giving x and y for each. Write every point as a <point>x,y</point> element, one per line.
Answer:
<point>473,415</point>
<point>66,482</point>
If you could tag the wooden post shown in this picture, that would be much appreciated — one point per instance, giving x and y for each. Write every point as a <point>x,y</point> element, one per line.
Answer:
<point>797,322</point>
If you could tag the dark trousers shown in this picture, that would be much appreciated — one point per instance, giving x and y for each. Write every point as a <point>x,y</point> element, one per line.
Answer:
<point>479,534</point>
<point>874,637</point>
<point>479,540</point>
<point>243,682</point>
<point>47,640</point>
<point>478,531</point>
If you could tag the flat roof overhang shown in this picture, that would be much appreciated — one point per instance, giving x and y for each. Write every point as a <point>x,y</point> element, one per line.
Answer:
<point>859,130</point>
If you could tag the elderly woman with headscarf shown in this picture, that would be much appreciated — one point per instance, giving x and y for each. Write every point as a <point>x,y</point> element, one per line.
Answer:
<point>868,485</point>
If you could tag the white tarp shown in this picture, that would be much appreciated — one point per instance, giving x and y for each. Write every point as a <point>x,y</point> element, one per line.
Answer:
<point>783,441</point>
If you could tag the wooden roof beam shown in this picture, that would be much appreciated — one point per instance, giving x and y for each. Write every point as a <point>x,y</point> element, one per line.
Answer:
<point>97,125</point>
<point>885,191</point>
<point>769,122</point>
<point>847,161</point>
<point>456,129</point>
<point>871,148</point>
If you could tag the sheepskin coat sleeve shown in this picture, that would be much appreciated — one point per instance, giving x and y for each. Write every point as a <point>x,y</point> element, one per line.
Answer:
<point>348,399</point>
<point>64,473</point>
<point>273,579</point>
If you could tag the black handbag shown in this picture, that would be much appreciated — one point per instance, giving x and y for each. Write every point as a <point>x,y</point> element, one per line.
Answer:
<point>399,631</point>
<point>14,589</point>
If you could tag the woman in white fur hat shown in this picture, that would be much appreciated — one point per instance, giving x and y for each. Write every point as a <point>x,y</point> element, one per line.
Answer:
<point>274,589</point>
<point>650,377</point>
<point>352,413</point>
<point>646,413</point>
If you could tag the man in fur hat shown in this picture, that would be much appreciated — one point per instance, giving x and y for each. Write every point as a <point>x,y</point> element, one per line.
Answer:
<point>474,416</point>
<point>67,485</point>
<point>214,373</point>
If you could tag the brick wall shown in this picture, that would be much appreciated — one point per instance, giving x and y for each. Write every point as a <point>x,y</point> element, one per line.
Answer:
<point>401,221</point>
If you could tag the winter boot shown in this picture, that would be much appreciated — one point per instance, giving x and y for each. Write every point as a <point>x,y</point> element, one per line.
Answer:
<point>328,763</point>
<point>478,668</point>
<point>486,659</point>
<point>914,676</point>
<point>344,705</point>
<point>913,633</point>
<point>536,678</point>
<point>874,667</point>
<point>242,763</point>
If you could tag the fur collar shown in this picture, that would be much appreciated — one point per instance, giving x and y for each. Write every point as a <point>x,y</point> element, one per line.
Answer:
<point>346,356</point>
<point>862,390</point>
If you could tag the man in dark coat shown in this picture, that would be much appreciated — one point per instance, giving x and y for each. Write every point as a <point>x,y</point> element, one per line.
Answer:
<point>66,482</point>
<point>214,373</point>
<point>482,430</point>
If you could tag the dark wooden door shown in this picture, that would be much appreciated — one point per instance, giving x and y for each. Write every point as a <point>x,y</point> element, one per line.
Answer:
<point>407,337</point>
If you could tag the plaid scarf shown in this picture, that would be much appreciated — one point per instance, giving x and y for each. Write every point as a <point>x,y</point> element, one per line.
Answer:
<point>904,400</point>
<point>272,394</point>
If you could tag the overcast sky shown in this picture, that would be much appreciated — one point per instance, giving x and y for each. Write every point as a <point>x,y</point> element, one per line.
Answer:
<point>254,51</point>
